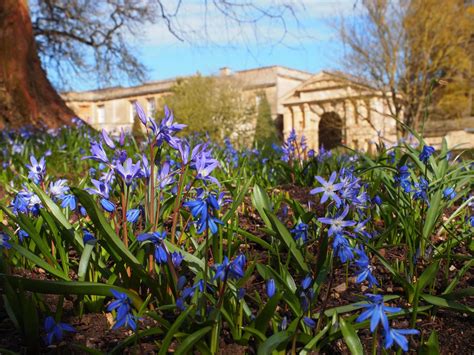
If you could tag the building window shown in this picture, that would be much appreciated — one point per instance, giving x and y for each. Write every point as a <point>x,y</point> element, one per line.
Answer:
<point>151,107</point>
<point>101,114</point>
<point>133,112</point>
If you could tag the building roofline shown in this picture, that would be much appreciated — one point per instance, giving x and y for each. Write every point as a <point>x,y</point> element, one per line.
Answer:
<point>130,91</point>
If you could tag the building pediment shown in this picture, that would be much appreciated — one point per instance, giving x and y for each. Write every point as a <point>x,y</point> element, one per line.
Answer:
<point>328,86</point>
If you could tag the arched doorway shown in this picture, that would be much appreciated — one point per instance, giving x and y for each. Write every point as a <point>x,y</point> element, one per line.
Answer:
<point>330,130</point>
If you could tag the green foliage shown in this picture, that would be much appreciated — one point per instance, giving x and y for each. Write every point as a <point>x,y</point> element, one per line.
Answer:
<point>214,106</point>
<point>265,130</point>
<point>258,221</point>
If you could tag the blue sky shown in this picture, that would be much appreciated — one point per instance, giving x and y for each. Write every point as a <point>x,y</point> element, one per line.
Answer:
<point>309,44</point>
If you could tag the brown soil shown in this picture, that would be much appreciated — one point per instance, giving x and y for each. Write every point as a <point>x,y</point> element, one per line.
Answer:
<point>455,330</point>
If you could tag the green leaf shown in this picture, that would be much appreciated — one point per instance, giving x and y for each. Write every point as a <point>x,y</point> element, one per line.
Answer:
<point>274,342</point>
<point>290,293</point>
<point>399,278</point>
<point>266,314</point>
<point>255,332</point>
<point>289,241</point>
<point>426,277</point>
<point>84,262</point>
<point>458,276</point>
<point>254,239</point>
<point>69,288</point>
<point>445,303</point>
<point>133,338</point>
<point>58,272</point>
<point>350,337</point>
<point>57,214</point>
<point>432,215</point>
<point>112,241</point>
<point>194,263</point>
<point>314,341</point>
<point>262,203</point>
<point>165,344</point>
<point>190,340</point>
<point>431,346</point>
<point>237,201</point>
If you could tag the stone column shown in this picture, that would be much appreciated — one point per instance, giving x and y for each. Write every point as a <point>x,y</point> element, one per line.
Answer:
<point>287,121</point>
<point>298,119</point>
<point>317,112</point>
<point>311,127</point>
<point>350,124</point>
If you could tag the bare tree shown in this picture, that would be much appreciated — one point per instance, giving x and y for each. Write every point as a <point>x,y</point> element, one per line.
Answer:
<point>415,52</point>
<point>90,38</point>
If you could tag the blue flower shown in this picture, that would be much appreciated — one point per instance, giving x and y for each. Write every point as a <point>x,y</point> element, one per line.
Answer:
<point>107,205</point>
<point>271,288</point>
<point>391,156</point>
<point>220,270</point>
<point>398,336</point>
<point>176,258</point>
<point>309,322</point>
<point>20,203</point>
<point>107,140</point>
<point>300,232</point>
<point>364,271</point>
<point>426,153</point>
<point>204,166</point>
<point>141,113</point>
<point>132,215</point>
<point>98,153</point>
<point>55,331</point>
<point>377,200</point>
<point>342,248</point>
<point>4,241</point>
<point>360,228</point>
<point>161,255</point>
<point>337,223</point>
<point>69,201</point>
<point>102,188</point>
<point>402,175</point>
<point>37,170</point>
<point>421,190</point>
<point>88,237</point>
<point>128,171</point>
<point>329,189</point>
<point>164,177</point>
<point>122,305</point>
<point>307,281</point>
<point>376,312</point>
<point>236,267</point>
<point>449,193</point>
<point>22,235</point>
<point>233,269</point>
<point>165,132</point>
<point>200,210</point>
<point>58,188</point>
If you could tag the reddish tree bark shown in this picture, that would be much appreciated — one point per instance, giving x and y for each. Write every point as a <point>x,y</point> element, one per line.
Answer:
<point>26,95</point>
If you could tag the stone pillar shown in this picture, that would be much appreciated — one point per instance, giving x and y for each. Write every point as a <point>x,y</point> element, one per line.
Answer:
<point>316,113</point>
<point>351,138</point>
<point>311,127</point>
<point>298,120</point>
<point>287,121</point>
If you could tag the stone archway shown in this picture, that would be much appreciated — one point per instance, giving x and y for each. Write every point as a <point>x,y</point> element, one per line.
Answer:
<point>330,131</point>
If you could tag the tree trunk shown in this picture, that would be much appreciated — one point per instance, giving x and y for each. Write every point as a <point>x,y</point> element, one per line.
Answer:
<point>26,95</point>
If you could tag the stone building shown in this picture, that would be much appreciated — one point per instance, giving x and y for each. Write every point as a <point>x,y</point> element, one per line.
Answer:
<point>113,108</point>
<point>329,108</point>
<point>333,109</point>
